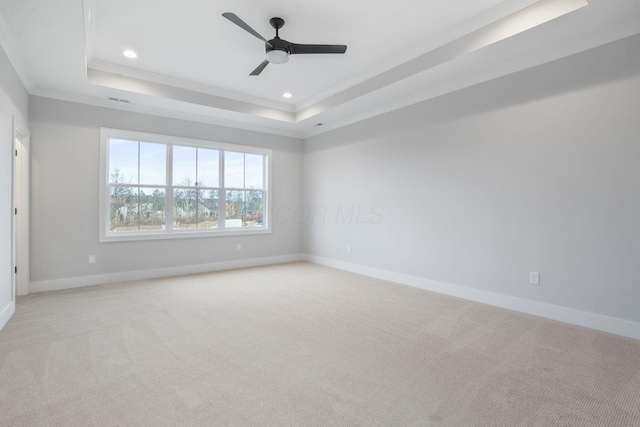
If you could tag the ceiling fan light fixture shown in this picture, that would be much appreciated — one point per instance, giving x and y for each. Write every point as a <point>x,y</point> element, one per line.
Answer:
<point>277,56</point>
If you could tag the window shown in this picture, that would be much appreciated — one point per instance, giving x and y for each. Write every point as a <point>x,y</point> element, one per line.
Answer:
<point>155,187</point>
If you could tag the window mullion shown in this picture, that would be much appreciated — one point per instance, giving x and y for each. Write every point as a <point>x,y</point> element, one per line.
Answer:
<point>222,195</point>
<point>138,186</point>
<point>196,191</point>
<point>168,206</point>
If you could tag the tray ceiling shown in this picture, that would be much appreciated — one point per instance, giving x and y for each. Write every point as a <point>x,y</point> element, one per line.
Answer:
<point>194,64</point>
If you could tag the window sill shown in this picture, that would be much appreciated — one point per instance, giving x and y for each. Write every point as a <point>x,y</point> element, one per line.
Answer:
<point>186,234</point>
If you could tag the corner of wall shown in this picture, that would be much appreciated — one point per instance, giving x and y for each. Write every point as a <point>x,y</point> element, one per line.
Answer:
<point>6,313</point>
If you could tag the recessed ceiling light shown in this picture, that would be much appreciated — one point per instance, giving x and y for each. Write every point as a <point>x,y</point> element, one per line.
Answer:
<point>130,54</point>
<point>287,95</point>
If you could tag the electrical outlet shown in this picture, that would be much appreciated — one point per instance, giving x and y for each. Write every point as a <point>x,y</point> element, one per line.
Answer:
<point>92,259</point>
<point>534,278</point>
<point>238,247</point>
<point>349,249</point>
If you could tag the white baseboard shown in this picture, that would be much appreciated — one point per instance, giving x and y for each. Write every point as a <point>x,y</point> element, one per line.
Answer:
<point>568,315</point>
<point>6,313</point>
<point>125,276</point>
<point>582,318</point>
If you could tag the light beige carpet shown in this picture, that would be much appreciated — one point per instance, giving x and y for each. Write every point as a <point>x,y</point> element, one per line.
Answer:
<point>303,345</point>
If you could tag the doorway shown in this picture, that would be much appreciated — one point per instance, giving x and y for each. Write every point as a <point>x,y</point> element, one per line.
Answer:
<point>20,198</point>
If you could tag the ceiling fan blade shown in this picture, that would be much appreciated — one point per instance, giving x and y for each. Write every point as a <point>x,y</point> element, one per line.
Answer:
<point>317,48</point>
<point>258,70</point>
<point>240,23</point>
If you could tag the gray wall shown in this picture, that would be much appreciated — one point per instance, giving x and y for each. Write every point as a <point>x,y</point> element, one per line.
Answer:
<point>64,199</point>
<point>537,171</point>
<point>14,100</point>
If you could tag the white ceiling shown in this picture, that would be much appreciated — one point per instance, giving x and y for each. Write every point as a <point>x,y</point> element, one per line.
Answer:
<point>194,64</point>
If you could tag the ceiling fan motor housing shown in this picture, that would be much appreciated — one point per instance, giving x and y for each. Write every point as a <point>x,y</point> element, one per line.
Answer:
<point>278,52</point>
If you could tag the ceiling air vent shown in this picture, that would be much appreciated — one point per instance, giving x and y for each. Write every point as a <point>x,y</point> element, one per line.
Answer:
<point>110,98</point>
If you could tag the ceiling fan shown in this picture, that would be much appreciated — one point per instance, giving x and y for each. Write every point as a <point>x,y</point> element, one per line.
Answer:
<point>278,50</point>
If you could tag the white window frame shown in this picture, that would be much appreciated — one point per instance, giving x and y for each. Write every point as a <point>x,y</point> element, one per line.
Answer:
<point>105,235</point>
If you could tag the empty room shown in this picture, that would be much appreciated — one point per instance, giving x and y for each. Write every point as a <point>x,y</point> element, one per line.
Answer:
<point>285,213</point>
